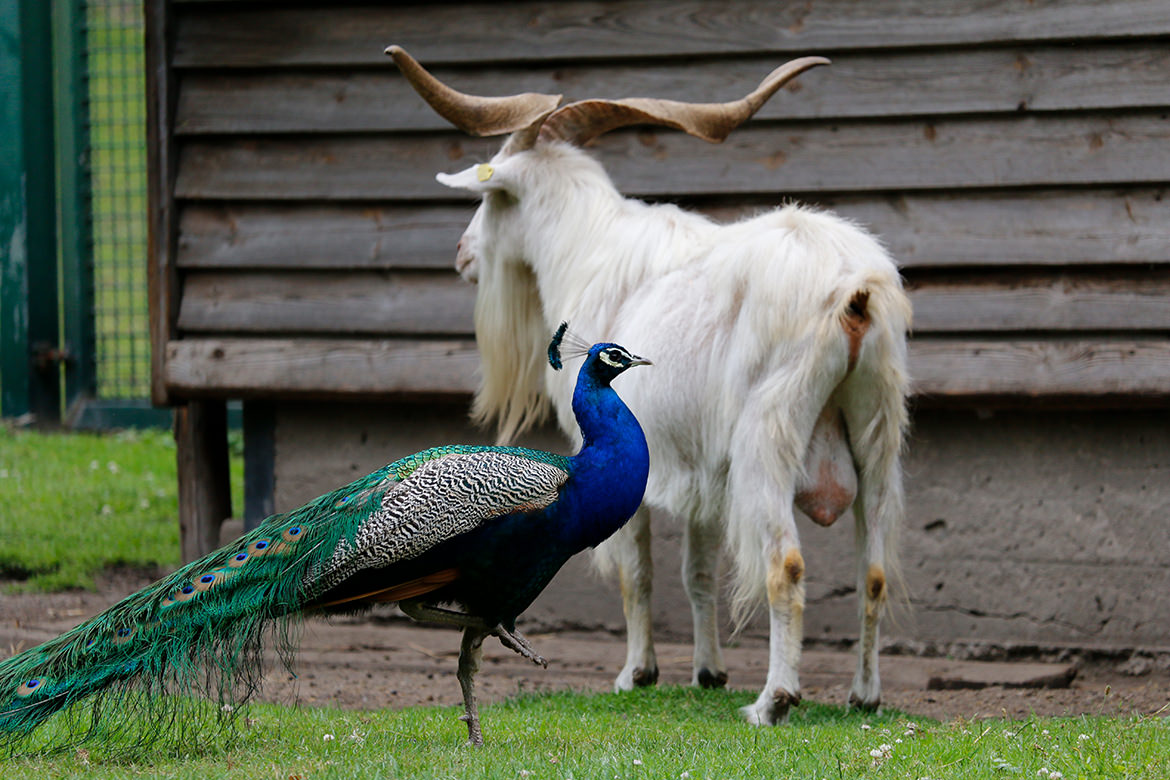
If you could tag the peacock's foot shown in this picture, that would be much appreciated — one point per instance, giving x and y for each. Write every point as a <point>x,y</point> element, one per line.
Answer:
<point>515,641</point>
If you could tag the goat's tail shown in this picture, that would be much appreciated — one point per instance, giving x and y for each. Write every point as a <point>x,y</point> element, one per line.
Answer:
<point>873,399</point>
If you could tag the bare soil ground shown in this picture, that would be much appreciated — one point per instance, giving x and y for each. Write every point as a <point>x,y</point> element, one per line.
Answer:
<point>386,661</point>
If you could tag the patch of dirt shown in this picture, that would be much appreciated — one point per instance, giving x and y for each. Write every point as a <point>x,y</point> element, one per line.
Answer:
<point>384,660</point>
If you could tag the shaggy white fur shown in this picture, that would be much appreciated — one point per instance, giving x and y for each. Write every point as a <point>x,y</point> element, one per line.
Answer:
<point>780,353</point>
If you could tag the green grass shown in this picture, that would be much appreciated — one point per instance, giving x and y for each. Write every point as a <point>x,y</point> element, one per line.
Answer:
<point>657,733</point>
<point>76,504</point>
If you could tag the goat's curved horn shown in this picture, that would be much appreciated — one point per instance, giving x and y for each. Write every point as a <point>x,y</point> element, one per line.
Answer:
<point>584,120</point>
<point>470,113</point>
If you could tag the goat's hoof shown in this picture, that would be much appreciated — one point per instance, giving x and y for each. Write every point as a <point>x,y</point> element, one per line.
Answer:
<point>645,677</point>
<point>708,679</point>
<point>770,710</point>
<point>857,703</point>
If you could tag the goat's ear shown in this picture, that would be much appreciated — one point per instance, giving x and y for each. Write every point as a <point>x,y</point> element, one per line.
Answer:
<point>485,177</point>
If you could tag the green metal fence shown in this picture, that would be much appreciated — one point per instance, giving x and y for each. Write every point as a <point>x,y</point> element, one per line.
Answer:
<point>73,213</point>
<point>117,115</point>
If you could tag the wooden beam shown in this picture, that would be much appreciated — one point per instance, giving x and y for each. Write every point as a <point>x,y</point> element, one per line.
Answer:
<point>1119,301</point>
<point>162,280</point>
<point>430,303</point>
<point>335,368</point>
<point>1073,366</point>
<point>205,496</point>
<point>442,304</point>
<point>320,368</point>
<point>870,84</point>
<point>244,235</point>
<point>760,158</point>
<point>996,228</point>
<point>221,36</point>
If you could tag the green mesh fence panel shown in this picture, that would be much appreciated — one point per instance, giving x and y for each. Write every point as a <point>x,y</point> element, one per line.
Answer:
<point>117,110</point>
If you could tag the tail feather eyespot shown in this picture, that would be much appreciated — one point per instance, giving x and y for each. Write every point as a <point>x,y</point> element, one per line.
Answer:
<point>124,634</point>
<point>185,593</point>
<point>205,582</point>
<point>30,687</point>
<point>259,547</point>
<point>292,533</point>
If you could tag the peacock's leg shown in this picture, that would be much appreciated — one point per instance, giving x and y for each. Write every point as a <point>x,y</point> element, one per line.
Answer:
<point>514,641</point>
<point>470,656</point>
<point>425,613</point>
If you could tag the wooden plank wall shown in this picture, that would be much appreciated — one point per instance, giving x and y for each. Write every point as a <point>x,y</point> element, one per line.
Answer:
<point>1013,156</point>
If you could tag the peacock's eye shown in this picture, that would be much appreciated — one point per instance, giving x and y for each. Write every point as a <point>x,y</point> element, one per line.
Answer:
<point>616,356</point>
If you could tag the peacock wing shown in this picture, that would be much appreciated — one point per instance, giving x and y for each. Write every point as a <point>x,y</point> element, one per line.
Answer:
<point>440,497</point>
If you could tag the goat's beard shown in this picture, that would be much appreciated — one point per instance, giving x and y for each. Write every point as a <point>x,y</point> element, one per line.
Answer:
<point>512,339</point>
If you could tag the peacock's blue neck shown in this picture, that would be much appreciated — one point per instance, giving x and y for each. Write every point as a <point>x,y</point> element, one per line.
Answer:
<point>608,474</point>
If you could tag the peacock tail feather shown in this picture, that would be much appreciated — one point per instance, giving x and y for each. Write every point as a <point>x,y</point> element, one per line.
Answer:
<point>201,630</point>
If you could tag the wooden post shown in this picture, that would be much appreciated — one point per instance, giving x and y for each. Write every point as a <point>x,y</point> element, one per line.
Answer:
<point>205,497</point>
<point>259,459</point>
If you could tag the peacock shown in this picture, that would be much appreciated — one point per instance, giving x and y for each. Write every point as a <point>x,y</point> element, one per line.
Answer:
<point>461,535</point>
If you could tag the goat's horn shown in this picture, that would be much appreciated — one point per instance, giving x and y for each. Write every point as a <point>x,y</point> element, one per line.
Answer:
<point>470,113</point>
<point>584,120</point>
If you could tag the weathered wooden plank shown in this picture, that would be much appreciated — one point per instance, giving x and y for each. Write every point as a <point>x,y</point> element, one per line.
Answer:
<point>857,85</point>
<point>443,304</point>
<point>1128,301</point>
<point>291,368</point>
<point>366,236</point>
<point>430,303</point>
<point>220,36</point>
<point>161,162</point>
<point>763,158</point>
<point>327,368</point>
<point>1075,366</point>
<point>996,228</point>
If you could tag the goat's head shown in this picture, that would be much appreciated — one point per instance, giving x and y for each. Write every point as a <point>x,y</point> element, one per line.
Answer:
<point>542,199</point>
<point>533,121</point>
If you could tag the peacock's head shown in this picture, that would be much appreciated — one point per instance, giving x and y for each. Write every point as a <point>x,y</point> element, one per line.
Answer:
<point>604,361</point>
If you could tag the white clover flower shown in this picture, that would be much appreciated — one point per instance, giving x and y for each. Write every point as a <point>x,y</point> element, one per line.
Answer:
<point>1082,737</point>
<point>1055,775</point>
<point>1042,772</point>
<point>865,727</point>
<point>227,708</point>
<point>327,738</point>
<point>113,467</point>
<point>637,762</point>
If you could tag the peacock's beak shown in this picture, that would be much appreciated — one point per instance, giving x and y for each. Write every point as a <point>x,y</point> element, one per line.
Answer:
<point>639,361</point>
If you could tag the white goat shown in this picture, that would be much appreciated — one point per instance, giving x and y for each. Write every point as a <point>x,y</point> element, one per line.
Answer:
<point>779,344</point>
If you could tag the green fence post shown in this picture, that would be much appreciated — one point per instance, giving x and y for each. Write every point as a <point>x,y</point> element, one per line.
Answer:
<point>29,332</point>
<point>72,128</point>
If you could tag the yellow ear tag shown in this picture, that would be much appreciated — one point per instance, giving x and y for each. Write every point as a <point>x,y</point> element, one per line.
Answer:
<point>483,171</point>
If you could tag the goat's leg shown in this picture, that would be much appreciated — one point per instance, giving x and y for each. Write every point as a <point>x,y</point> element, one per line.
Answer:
<point>785,586</point>
<point>872,404</point>
<point>878,508</point>
<point>631,550</point>
<point>470,658</point>
<point>700,559</point>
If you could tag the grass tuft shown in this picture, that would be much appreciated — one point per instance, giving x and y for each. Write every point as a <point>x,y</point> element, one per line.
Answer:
<point>78,504</point>
<point>669,732</point>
